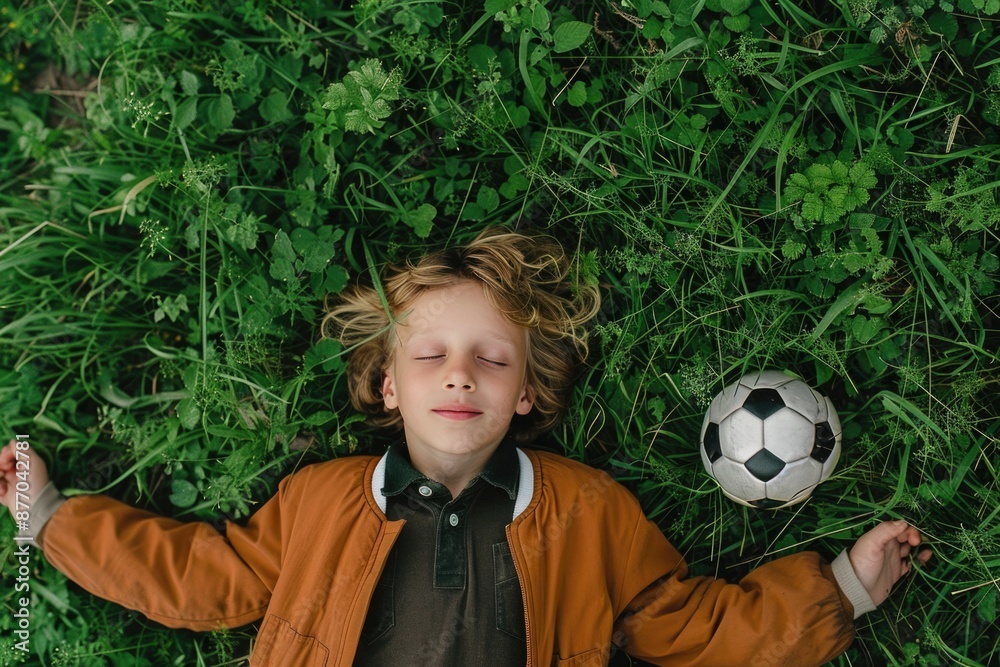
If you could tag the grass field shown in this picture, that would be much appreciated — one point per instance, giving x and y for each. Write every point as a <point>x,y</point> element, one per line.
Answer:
<point>809,186</point>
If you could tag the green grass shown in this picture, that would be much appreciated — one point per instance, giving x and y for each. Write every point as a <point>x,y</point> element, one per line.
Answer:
<point>754,185</point>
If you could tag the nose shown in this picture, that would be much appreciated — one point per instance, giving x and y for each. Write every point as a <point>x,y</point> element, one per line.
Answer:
<point>459,376</point>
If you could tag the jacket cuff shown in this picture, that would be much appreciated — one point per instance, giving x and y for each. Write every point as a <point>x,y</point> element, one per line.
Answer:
<point>45,505</point>
<point>848,581</point>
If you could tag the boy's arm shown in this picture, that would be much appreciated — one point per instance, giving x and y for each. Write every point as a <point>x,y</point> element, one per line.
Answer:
<point>792,611</point>
<point>182,575</point>
<point>178,574</point>
<point>787,612</point>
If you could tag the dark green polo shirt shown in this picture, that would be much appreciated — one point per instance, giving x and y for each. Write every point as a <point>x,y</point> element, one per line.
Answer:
<point>449,594</point>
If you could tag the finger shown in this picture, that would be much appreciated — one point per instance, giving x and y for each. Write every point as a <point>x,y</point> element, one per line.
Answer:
<point>887,531</point>
<point>7,455</point>
<point>904,550</point>
<point>924,555</point>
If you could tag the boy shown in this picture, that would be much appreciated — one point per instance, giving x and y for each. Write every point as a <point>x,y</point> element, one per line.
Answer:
<point>456,547</point>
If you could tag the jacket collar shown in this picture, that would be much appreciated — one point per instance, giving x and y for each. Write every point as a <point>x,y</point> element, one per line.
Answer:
<point>525,483</point>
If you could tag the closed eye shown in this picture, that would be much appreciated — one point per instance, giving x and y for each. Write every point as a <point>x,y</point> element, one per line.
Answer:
<point>497,364</point>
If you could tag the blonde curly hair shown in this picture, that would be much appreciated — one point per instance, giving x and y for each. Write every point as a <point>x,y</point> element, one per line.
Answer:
<point>525,278</point>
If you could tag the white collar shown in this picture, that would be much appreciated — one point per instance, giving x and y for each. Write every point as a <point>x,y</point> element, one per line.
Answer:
<point>525,483</point>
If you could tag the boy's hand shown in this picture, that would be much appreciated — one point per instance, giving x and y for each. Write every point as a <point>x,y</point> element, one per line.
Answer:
<point>14,461</point>
<point>882,556</point>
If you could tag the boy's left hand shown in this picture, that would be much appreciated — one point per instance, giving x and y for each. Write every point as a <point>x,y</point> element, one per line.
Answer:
<point>882,556</point>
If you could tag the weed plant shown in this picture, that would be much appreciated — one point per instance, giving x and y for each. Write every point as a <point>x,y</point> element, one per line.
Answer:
<point>804,186</point>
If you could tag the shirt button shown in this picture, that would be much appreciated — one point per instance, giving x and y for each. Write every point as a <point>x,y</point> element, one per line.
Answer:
<point>453,519</point>
<point>425,490</point>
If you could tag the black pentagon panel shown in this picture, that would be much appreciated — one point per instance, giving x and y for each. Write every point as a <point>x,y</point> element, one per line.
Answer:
<point>713,448</point>
<point>768,503</point>
<point>764,465</point>
<point>762,403</point>
<point>826,440</point>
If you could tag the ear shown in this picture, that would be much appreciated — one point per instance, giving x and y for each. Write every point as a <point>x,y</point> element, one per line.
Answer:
<point>389,390</point>
<point>527,400</point>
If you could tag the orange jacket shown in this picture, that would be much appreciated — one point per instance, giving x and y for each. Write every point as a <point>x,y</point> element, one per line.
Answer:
<point>594,573</point>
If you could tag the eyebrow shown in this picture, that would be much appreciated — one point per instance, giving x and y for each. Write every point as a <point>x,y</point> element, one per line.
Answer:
<point>491,334</point>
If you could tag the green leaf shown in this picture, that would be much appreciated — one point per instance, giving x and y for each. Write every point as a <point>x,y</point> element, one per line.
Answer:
<point>473,212</point>
<point>282,248</point>
<point>321,417</point>
<point>245,233</point>
<point>577,94</point>
<point>336,279</point>
<point>735,6</point>
<point>282,269</point>
<point>327,354</point>
<point>496,6</point>
<point>865,330</point>
<point>171,307</point>
<point>739,23</point>
<point>863,176</point>
<point>540,18</point>
<point>316,251</point>
<point>901,137</point>
<point>812,207</point>
<point>220,111</point>
<point>188,413</point>
<point>189,83</point>
<point>480,56</point>
<point>187,111</point>
<point>336,97</point>
<point>274,108</point>
<point>652,27</point>
<point>409,20</point>
<point>986,604</point>
<point>421,220</point>
<point>183,493</point>
<point>820,177</point>
<point>797,186</point>
<point>519,117</point>
<point>488,198</point>
<point>793,249</point>
<point>570,35</point>
<point>943,23</point>
<point>685,11</point>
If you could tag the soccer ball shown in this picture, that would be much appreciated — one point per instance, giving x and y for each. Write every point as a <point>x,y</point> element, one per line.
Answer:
<point>769,439</point>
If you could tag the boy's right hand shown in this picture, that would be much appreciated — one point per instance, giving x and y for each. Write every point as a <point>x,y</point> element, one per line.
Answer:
<point>32,470</point>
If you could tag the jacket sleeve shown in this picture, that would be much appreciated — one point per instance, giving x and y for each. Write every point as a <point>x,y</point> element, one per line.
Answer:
<point>787,612</point>
<point>182,575</point>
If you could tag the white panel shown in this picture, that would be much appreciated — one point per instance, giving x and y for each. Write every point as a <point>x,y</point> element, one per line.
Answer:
<point>741,436</point>
<point>737,482</point>
<point>796,481</point>
<point>788,435</point>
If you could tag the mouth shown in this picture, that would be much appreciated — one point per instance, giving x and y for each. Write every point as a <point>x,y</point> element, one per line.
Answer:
<point>457,412</point>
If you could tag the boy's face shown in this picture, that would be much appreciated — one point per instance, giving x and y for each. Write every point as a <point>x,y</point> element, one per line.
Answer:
<point>458,373</point>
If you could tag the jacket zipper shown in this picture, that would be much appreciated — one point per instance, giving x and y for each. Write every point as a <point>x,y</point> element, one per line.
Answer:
<point>524,599</point>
